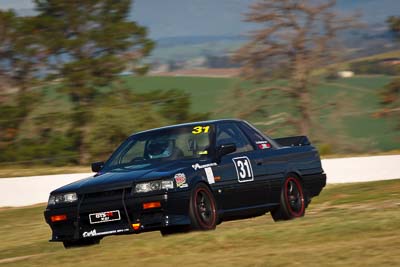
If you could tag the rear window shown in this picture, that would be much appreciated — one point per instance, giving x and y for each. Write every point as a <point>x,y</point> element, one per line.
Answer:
<point>256,137</point>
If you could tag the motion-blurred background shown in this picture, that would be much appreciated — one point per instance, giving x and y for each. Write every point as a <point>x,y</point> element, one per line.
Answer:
<point>78,77</point>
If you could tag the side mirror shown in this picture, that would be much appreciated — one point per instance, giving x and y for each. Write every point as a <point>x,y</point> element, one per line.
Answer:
<point>225,149</point>
<point>97,166</point>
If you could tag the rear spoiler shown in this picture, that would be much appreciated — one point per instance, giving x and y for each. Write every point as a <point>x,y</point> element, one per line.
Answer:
<point>293,141</point>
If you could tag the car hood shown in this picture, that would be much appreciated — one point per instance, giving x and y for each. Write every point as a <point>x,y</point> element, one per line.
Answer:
<point>124,177</point>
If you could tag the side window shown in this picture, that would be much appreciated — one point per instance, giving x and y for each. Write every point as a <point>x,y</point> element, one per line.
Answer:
<point>136,151</point>
<point>230,133</point>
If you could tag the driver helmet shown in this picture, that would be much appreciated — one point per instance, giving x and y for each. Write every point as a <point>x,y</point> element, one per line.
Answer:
<point>159,149</point>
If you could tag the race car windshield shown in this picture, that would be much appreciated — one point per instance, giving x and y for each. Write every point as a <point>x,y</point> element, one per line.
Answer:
<point>151,147</point>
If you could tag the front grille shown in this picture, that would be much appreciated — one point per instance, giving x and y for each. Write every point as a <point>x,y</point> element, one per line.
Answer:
<point>101,202</point>
<point>113,194</point>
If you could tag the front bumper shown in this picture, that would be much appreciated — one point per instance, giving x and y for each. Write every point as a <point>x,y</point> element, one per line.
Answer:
<point>173,211</point>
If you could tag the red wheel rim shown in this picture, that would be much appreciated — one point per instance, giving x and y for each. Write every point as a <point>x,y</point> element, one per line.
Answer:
<point>294,197</point>
<point>204,208</point>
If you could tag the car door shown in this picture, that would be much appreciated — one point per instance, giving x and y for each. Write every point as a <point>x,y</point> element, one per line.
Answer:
<point>241,175</point>
<point>272,159</point>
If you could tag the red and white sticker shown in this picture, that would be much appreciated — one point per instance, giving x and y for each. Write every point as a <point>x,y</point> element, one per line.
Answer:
<point>180,180</point>
<point>264,146</point>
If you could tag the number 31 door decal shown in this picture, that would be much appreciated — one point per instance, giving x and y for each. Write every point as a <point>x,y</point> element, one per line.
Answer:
<point>243,169</point>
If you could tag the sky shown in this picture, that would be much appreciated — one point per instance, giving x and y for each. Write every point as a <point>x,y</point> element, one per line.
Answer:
<point>166,18</point>
<point>171,18</point>
<point>16,4</point>
<point>193,17</point>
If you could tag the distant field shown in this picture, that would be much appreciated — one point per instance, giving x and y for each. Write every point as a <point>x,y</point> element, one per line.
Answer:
<point>204,91</point>
<point>357,100</point>
<point>354,117</point>
<point>347,225</point>
<point>189,51</point>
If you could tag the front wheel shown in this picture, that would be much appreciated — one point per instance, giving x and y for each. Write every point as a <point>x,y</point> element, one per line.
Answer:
<point>203,212</point>
<point>292,203</point>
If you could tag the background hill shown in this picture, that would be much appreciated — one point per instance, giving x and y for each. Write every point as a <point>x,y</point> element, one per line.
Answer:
<point>210,27</point>
<point>224,17</point>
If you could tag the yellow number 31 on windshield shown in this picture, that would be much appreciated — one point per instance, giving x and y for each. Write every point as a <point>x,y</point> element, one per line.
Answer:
<point>200,129</point>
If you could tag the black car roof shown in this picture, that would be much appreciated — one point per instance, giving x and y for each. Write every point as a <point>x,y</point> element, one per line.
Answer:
<point>189,124</point>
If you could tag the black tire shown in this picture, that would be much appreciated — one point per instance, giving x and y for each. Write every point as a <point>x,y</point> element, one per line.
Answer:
<point>292,200</point>
<point>203,210</point>
<point>81,243</point>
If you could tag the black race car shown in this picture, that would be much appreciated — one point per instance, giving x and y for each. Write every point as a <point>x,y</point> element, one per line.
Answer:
<point>187,176</point>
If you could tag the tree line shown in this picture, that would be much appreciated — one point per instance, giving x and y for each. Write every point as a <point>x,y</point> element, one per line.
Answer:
<point>390,95</point>
<point>79,49</point>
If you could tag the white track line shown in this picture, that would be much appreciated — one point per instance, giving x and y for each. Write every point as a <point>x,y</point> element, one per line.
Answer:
<point>23,191</point>
<point>362,169</point>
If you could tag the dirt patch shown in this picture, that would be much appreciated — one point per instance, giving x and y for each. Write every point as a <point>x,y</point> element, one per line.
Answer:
<point>20,258</point>
<point>366,206</point>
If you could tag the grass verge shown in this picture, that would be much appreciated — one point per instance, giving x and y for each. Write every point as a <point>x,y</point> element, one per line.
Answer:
<point>21,171</point>
<point>347,225</point>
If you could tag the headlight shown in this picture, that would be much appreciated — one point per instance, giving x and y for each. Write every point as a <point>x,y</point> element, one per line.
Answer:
<point>154,186</point>
<point>62,198</point>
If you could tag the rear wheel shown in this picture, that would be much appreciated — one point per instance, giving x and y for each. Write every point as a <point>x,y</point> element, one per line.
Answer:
<point>292,202</point>
<point>81,243</point>
<point>203,212</point>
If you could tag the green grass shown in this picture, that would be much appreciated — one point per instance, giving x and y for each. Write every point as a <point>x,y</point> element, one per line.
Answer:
<point>204,91</point>
<point>358,100</point>
<point>347,225</point>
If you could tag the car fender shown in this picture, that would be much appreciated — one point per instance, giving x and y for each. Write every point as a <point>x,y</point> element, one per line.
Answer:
<point>290,171</point>
<point>198,178</point>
